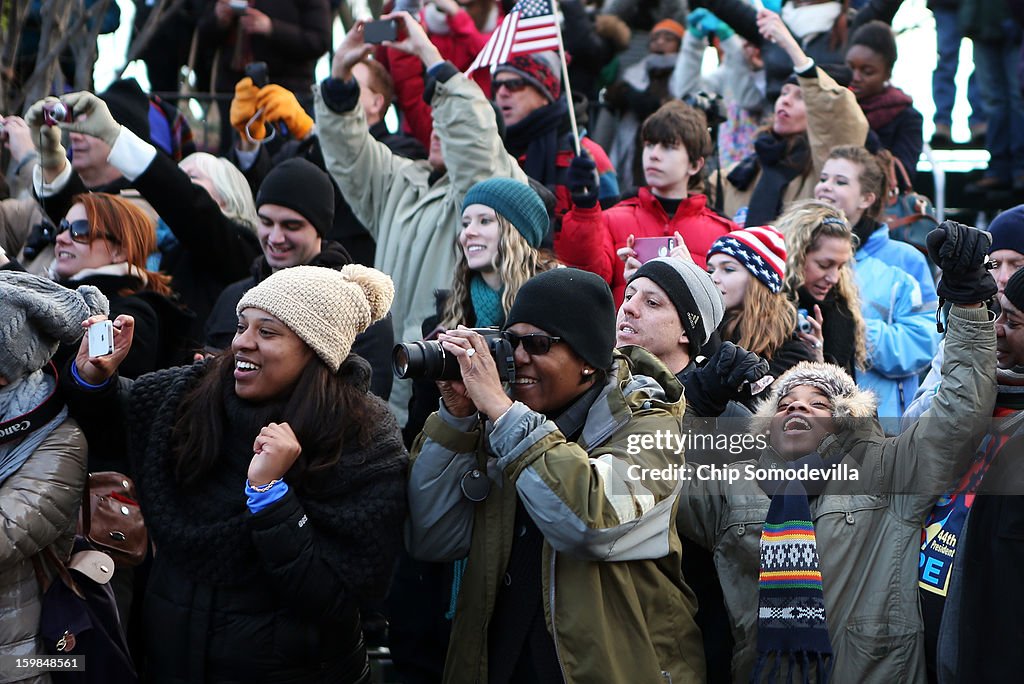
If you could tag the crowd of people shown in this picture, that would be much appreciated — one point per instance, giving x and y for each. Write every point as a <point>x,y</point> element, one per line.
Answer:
<point>606,379</point>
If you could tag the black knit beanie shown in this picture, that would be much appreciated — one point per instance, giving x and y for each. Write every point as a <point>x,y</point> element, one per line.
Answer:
<point>574,305</point>
<point>1014,290</point>
<point>128,105</point>
<point>300,186</point>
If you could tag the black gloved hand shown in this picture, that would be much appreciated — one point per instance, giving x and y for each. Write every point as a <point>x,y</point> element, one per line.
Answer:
<point>616,96</point>
<point>960,252</point>
<point>956,247</point>
<point>721,379</point>
<point>582,182</point>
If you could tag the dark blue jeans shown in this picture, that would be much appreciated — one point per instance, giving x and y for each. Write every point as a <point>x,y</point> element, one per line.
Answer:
<point>947,38</point>
<point>996,68</point>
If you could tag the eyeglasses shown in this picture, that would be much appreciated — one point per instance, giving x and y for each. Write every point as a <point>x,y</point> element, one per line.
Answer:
<point>514,85</point>
<point>80,231</point>
<point>534,344</point>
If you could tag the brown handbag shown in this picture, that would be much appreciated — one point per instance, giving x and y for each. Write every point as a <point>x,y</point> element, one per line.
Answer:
<point>112,520</point>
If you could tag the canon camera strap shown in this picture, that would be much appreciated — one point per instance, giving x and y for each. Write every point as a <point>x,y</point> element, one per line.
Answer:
<point>16,428</point>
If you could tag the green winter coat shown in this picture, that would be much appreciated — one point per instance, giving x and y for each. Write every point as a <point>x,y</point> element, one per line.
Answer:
<point>614,598</point>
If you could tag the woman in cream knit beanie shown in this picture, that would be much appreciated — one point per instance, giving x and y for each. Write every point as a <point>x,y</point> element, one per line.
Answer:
<point>269,466</point>
<point>324,307</point>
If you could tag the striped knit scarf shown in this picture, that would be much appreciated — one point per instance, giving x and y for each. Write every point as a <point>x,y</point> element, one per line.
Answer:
<point>791,623</point>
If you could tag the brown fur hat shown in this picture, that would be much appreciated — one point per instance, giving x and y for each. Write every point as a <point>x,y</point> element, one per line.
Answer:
<point>848,400</point>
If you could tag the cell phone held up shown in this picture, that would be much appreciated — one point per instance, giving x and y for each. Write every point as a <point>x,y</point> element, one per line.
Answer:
<point>101,339</point>
<point>376,32</point>
<point>648,248</point>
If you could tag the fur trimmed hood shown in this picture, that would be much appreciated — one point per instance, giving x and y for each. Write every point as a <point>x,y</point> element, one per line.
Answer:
<point>848,400</point>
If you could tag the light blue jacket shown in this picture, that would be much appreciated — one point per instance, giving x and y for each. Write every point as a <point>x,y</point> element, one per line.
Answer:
<point>901,335</point>
<point>904,256</point>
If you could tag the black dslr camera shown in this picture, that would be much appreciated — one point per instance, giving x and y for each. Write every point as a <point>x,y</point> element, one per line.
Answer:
<point>429,360</point>
<point>42,235</point>
<point>711,104</point>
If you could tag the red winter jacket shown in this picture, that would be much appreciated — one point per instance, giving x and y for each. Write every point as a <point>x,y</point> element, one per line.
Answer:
<point>590,237</point>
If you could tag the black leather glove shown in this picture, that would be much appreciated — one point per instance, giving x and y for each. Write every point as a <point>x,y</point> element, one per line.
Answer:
<point>960,252</point>
<point>616,96</point>
<point>722,379</point>
<point>582,182</point>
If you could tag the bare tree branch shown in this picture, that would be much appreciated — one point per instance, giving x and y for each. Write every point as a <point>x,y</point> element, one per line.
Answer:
<point>46,67</point>
<point>165,9</point>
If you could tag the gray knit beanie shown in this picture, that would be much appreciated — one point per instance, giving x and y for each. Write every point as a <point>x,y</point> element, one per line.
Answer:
<point>36,316</point>
<point>324,307</point>
<point>691,290</point>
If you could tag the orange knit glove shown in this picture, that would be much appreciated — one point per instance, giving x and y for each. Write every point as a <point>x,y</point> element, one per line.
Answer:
<point>243,108</point>
<point>279,104</point>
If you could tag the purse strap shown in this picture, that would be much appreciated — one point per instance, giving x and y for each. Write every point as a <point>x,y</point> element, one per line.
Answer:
<point>86,507</point>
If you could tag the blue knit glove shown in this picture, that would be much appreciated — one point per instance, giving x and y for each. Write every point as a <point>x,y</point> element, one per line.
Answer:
<point>582,181</point>
<point>695,22</point>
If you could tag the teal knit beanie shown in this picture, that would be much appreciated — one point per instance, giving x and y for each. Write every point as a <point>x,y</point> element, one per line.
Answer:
<point>517,202</point>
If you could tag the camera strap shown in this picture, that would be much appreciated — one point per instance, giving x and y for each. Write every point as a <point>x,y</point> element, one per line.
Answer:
<point>19,426</point>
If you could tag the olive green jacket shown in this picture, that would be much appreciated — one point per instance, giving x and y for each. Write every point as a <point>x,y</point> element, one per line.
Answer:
<point>868,540</point>
<point>614,598</point>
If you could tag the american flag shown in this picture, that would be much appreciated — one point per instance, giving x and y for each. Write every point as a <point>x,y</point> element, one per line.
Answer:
<point>531,26</point>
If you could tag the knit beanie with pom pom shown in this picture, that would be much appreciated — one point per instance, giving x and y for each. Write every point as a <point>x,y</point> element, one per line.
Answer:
<point>324,307</point>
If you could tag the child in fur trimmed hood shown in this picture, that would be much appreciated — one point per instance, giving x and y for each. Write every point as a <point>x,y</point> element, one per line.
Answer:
<point>817,541</point>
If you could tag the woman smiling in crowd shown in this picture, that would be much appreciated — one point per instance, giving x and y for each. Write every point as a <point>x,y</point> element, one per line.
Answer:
<point>271,481</point>
<point>533,490</point>
<point>819,573</point>
<point>820,277</point>
<point>749,268</point>
<point>104,241</point>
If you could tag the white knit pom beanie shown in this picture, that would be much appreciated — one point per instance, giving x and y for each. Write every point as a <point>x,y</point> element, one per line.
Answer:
<point>324,307</point>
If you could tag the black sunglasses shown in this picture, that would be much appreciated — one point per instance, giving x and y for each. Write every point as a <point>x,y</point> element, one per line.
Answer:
<point>80,231</point>
<point>514,85</point>
<point>534,344</point>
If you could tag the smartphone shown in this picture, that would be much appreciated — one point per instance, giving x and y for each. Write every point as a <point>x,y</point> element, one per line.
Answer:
<point>378,31</point>
<point>101,339</point>
<point>652,247</point>
<point>257,71</point>
<point>238,6</point>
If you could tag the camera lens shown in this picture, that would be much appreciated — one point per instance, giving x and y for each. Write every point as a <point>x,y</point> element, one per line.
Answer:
<point>424,360</point>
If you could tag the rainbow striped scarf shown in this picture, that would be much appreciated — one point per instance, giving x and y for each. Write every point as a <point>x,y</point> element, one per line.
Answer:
<point>792,631</point>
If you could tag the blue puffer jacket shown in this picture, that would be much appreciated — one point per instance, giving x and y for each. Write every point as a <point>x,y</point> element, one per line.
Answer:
<point>901,335</point>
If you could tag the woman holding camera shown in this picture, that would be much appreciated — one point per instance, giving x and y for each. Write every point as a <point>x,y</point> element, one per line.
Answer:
<point>820,280</point>
<point>570,547</point>
<point>271,481</point>
<point>104,241</point>
<point>749,268</point>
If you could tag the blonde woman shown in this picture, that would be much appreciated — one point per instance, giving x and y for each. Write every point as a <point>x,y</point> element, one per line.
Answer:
<point>503,223</point>
<point>820,279</point>
<point>749,268</point>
